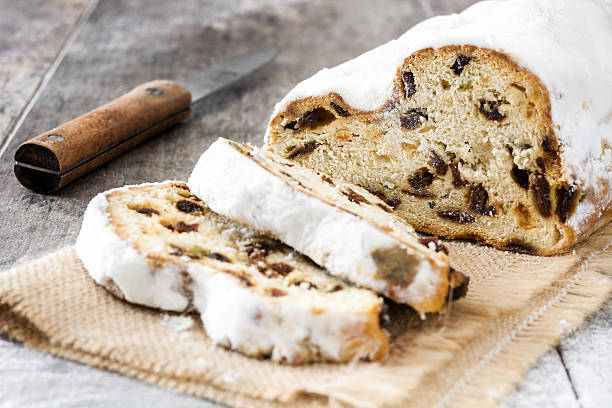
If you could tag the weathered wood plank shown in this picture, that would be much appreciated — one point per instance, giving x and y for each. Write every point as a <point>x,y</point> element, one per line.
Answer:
<point>586,354</point>
<point>32,35</point>
<point>122,45</point>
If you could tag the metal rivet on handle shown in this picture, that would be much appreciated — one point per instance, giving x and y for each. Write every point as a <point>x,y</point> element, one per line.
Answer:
<point>56,137</point>
<point>154,91</point>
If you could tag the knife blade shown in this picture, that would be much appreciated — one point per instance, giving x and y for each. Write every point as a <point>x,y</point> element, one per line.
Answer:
<point>55,158</point>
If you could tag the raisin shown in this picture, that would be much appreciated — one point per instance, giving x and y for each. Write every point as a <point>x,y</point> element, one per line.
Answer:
<point>521,176</point>
<point>315,118</point>
<point>541,189</point>
<point>437,163</point>
<point>421,179</point>
<point>194,256</point>
<point>439,247</point>
<point>305,284</point>
<point>393,202</point>
<point>547,145</point>
<point>290,125</point>
<point>409,86</point>
<point>458,181</point>
<point>567,200</point>
<point>458,285</point>
<point>275,292</point>
<point>457,216</point>
<point>257,252</point>
<point>304,150</point>
<point>418,193</point>
<point>340,110</point>
<point>460,63</point>
<point>218,257</point>
<point>327,179</point>
<point>490,110</point>
<point>184,227</point>
<point>336,288</point>
<point>187,206</point>
<point>147,211</point>
<point>519,246</point>
<point>281,268</point>
<point>478,199</point>
<point>412,119</point>
<point>354,197</point>
<point>540,163</point>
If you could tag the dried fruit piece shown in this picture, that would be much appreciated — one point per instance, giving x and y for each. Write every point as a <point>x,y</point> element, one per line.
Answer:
<point>460,63</point>
<point>257,252</point>
<point>184,227</point>
<point>335,288</point>
<point>412,119</point>
<point>327,179</point>
<point>393,202</point>
<point>315,118</point>
<point>421,179</point>
<point>275,292</point>
<point>540,163</point>
<point>478,200</point>
<point>437,163</point>
<point>541,190</point>
<point>547,145</point>
<point>281,267</point>
<point>458,181</point>
<point>188,206</point>
<point>567,200</point>
<point>409,85</point>
<point>340,110</point>
<point>354,197</point>
<point>520,176</point>
<point>290,125</point>
<point>490,110</point>
<point>438,245</point>
<point>147,211</point>
<point>245,281</point>
<point>218,256</point>
<point>519,246</point>
<point>458,216</point>
<point>458,285</point>
<point>305,284</point>
<point>304,150</point>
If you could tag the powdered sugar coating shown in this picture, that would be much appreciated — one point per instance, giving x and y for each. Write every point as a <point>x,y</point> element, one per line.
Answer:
<point>566,43</point>
<point>242,189</point>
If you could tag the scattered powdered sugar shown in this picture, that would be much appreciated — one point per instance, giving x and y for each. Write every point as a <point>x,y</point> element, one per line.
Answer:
<point>564,327</point>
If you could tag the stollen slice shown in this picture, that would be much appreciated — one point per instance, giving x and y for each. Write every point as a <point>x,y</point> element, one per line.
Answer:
<point>158,245</point>
<point>341,227</point>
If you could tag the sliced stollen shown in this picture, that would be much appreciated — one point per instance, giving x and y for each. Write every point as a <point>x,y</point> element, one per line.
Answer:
<point>475,125</point>
<point>341,227</point>
<point>158,245</point>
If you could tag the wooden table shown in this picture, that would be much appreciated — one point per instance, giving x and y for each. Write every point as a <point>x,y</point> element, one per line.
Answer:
<point>59,59</point>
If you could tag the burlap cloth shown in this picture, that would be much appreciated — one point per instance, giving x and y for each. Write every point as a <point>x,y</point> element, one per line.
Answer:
<point>517,308</point>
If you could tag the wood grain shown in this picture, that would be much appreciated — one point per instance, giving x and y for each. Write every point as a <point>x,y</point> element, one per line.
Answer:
<point>126,43</point>
<point>32,34</point>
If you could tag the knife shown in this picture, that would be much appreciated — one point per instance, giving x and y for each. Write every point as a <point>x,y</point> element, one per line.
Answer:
<point>50,161</point>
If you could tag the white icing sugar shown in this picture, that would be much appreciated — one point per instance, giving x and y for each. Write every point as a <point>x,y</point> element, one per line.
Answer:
<point>232,315</point>
<point>238,187</point>
<point>566,43</point>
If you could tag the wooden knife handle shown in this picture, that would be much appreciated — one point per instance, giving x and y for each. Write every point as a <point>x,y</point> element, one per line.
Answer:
<point>48,162</point>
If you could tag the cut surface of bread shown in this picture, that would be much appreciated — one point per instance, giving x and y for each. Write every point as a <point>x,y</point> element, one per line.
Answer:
<point>160,246</point>
<point>341,227</point>
<point>462,140</point>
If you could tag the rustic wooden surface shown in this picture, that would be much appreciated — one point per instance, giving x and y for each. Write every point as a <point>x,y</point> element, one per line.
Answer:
<point>60,59</point>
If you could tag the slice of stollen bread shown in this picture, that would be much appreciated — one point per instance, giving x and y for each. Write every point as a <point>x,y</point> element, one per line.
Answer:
<point>160,246</point>
<point>341,227</point>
